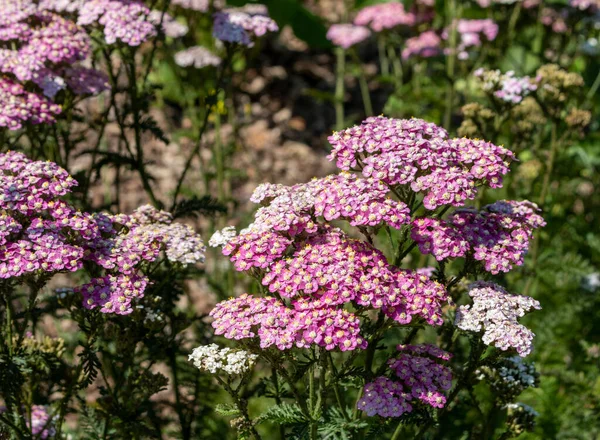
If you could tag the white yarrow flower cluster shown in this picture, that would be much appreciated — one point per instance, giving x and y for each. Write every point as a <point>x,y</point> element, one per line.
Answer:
<point>214,359</point>
<point>496,312</point>
<point>222,237</point>
<point>196,56</point>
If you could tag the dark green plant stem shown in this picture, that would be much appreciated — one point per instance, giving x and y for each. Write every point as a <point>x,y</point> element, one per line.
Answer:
<point>136,110</point>
<point>451,59</point>
<point>594,87</point>
<point>364,85</point>
<point>383,60</point>
<point>278,401</point>
<point>340,71</point>
<point>203,126</point>
<point>542,201</point>
<point>398,431</point>
<point>514,18</point>
<point>241,404</point>
<point>311,403</point>
<point>549,165</point>
<point>185,428</point>
<point>336,390</point>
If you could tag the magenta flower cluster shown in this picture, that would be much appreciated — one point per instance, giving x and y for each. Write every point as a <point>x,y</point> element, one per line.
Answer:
<point>495,312</point>
<point>277,325</point>
<point>421,155</point>
<point>347,35</point>
<point>242,26</point>
<point>317,270</point>
<point>41,235</point>
<point>19,106</point>
<point>498,235</point>
<point>419,377</point>
<point>39,46</point>
<point>505,86</point>
<point>382,16</point>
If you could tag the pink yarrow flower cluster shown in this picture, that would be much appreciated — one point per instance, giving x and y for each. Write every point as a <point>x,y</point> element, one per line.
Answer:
<point>420,155</point>
<point>505,86</point>
<point>495,312</point>
<point>41,235</point>
<point>313,267</point>
<point>277,325</point>
<point>384,16</point>
<point>242,26</point>
<point>347,35</point>
<point>128,21</point>
<point>39,46</point>
<point>19,106</point>
<point>419,378</point>
<point>470,33</point>
<point>498,235</point>
<point>425,45</point>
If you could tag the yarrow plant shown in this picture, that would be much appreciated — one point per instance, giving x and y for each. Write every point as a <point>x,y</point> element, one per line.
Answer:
<point>326,292</point>
<point>43,236</point>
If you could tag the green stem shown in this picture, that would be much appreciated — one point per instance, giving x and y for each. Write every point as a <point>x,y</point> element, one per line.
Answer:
<point>549,166</point>
<point>594,87</point>
<point>339,88</point>
<point>397,432</point>
<point>185,431</point>
<point>514,17</point>
<point>203,126</point>
<point>383,60</point>
<point>364,86</point>
<point>535,247</point>
<point>311,402</point>
<point>450,64</point>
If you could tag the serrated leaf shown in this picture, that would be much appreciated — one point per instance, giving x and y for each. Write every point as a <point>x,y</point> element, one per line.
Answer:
<point>284,414</point>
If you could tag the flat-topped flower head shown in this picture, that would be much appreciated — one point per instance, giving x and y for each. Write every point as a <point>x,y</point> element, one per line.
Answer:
<point>419,377</point>
<point>420,154</point>
<point>495,312</point>
<point>498,235</point>
<point>384,16</point>
<point>41,234</point>
<point>242,26</point>
<point>472,33</point>
<point>19,106</point>
<point>113,294</point>
<point>347,35</point>
<point>213,359</point>
<point>425,45</point>
<point>197,57</point>
<point>276,324</point>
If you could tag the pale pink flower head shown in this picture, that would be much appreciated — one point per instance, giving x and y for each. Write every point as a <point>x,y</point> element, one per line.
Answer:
<point>384,16</point>
<point>424,45</point>
<point>347,35</point>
